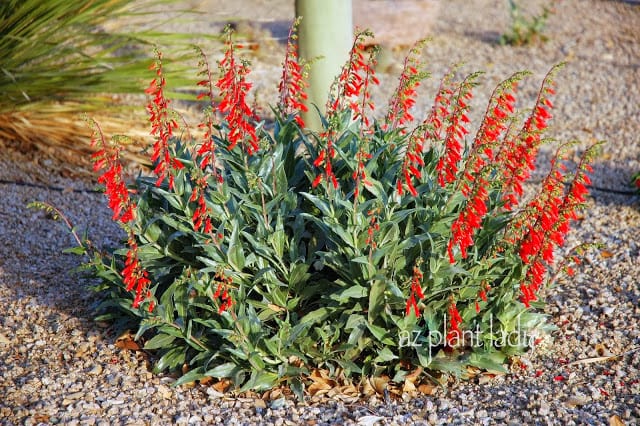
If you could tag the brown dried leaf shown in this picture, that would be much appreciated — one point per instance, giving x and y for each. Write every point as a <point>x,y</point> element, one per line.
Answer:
<point>41,418</point>
<point>606,254</point>
<point>318,388</point>
<point>414,375</point>
<point>427,389</point>
<point>408,386</point>
<point>126,341</point>
<point>379,384</point>
<point>615,421</point>
<point>367,389</point>
<point>206,380</point>
<point>349,390</point>
<point>486,378</point>
<point>223,385</point>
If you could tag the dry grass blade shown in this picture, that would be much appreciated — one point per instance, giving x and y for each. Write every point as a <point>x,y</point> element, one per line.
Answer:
<point>58,58</point>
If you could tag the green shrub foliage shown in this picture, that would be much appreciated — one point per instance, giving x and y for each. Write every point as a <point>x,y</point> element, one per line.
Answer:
<point>261,250</point>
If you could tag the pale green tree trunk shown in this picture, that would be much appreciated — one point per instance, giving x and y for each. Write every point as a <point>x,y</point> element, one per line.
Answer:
<point>325,38</point>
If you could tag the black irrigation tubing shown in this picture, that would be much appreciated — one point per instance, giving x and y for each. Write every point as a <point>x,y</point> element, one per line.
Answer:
<point>99,191</point>
<point>50,187</point>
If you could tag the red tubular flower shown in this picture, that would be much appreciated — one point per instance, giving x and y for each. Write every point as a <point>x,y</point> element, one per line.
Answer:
<point>206,154</point>
<point>518,155</point>
<point>233,91</point>
<point>222,291</point>
<point>323,161</point>
<point>292,84</point>
<point>416,291</point>
<point>548,222</point>
<point>162,126</point>
<point>447,166</point>
<point>108,160</point>
<point>404,98</point>
<point>134,276</point>
<point>352,88</point>
<point>412,164</point>
<point>454,334</point>
<point>469,219</point>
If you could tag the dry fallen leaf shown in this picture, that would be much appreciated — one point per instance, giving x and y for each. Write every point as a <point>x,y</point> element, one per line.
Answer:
<point>126,341</point>
<point>318,388</point>
<point>606,254</point>
<point>615,421</point>
<point>379,384</point>
<point>222,385</point>
<point>427,389</point>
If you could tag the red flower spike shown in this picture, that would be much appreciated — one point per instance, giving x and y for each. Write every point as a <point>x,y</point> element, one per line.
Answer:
<point>162,126</point>
<point>447,166</point>
<point>134,277</point>
<point>469,219</point>
<point>222,292</point>
<point>233,91</point>
<point>416,290</point>
<point>546,221</point>
<point>517,156</point>
<point>454,334</point>
<point>107,159</point>
<point>292,83</point>
<point>404,97</point>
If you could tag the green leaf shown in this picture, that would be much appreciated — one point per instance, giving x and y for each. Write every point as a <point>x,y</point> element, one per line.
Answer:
<point>191,376</point>
<point>159,341</point>
<point>385,355</point>
<point>490,361</point>
<point>78,250</point>
<point>173,358</point>
<point>228,369</point>
<point>297,387</point>
<point>352,292</point>
<point>376,300</point>
<point>260,381</point>
<point>235,253</point>
<point>316,316</point>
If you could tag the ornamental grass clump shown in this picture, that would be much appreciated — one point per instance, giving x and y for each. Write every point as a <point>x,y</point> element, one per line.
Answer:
<point>259,255</point>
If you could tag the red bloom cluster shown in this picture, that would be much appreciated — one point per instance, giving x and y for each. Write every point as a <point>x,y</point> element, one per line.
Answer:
<point>416,292</point>
<point>292,84</point>
<point>355,81</point>
<point>222,291</point>
<point>233,91</point>
<point>162,126</point>
<point>519,154</point>
<point>201,218</point>
<point>323,160</point>
<point>547,223</point>
<point>404,98</point>
<point>454,334</point>
<point>134,276</point>
<point>374,226</point>
<point>411,165</point>
<point>359,175</point>
<point>447,166</point>
<point>499,111</point>
<point>207,151</point>
<point>108,159</point>
<point>473,182</point>
<point>469,219</point>
<point>482,295</point>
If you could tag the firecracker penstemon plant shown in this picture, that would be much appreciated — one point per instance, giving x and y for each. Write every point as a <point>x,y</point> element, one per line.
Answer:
<point>371,248</point>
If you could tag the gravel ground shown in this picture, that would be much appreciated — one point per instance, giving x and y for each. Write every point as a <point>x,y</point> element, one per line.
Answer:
<point>59,367</point>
